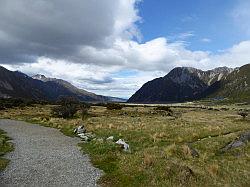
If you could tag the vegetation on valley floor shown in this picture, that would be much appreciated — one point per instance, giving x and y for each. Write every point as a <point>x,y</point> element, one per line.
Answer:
<point>5,147</point>
<point>162,146</point>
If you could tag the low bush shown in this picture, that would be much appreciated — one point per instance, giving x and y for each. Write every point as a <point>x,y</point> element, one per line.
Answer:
<point>64,111</point>
<point>114,106</point>
<point>166,109</point>
<point>84,110</point>
<point>14,102</point>
<point>100,104</point>
<point>67,109</point>
<point>244,114</point>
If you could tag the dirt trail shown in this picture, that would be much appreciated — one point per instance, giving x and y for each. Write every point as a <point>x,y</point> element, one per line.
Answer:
<point>45,157</point>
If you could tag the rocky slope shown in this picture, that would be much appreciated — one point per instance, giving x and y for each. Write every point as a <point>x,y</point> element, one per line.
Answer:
<point>18,85</point>
<point>80,92</point>
<point>85,95</point>
<point>180,84</point>
<point>235,86</point>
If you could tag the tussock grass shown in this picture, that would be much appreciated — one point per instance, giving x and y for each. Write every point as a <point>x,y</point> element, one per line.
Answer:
<point>159,155</point>
<point>5,147</point>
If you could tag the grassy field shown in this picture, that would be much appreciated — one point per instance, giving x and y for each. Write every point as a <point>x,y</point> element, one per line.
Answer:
<point>5,147</point>
<point>162,146</point>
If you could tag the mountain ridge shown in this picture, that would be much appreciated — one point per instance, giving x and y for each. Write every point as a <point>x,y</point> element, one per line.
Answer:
<point>76,90</point>
<point>19,85</point>
<point>182,84</point>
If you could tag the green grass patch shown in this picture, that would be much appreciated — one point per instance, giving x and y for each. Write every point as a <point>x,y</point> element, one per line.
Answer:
<point>5,147</point>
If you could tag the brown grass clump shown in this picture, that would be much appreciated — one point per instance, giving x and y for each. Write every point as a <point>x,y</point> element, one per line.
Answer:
<point>170,150</point>
<point>186,151</point>
<point>182,175</point>
<point>213,169</point>
<point>148,160</point>
<point>158,136</point>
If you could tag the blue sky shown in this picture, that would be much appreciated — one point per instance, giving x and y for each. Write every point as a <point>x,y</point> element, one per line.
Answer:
<point>113,47</point>
<point>211,19</point>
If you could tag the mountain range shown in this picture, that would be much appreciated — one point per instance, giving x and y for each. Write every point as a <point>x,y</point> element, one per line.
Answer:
<point>186,84</point>
<point>14,84</point>
<point>180,84</point>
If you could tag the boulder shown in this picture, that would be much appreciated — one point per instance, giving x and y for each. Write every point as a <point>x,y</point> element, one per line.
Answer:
<point>124,145</point>
<point>245,137</point>
<point>241,141</point>
<point>193,151</point>
<point>111,138</point>
<point>90,135</point>
<point>79,130</point>
<point>84,137</point>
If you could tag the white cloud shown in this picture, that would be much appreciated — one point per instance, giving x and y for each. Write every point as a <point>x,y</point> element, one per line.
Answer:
<point>149,60</point>
<point>90,44</point>
<point>206,40</point>
<point>235,56</point>
<point>185,35</point>
<point>90,77</point>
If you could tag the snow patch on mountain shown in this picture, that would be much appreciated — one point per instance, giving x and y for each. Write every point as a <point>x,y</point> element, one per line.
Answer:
<point>40,77</point>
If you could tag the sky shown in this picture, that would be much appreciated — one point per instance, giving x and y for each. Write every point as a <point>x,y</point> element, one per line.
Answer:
<point>113,47</point>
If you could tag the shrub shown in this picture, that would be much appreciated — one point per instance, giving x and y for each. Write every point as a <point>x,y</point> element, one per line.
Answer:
<point>100,104</point>
<point>2,107</point>
<point>64,111</point>
<point>244,114</point>
<point>114,106</point>
<point>12,102</point>
<point>165,108</point>
<point>84,111</point>
<point>67,109</point>
<point>18,102</point>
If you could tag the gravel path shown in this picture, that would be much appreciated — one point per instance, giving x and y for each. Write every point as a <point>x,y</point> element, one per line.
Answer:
<point>45,157</point>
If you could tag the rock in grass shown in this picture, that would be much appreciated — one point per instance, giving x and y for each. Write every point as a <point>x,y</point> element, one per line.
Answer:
<point>232,145</point>
<point>245,137</point>
<point>90,135</point>
<point>193,151</point>
<point>111,138</point>
<point>124,145</point>
<point>84,137</point>
<point>241,141</point>
<point>79,130</point>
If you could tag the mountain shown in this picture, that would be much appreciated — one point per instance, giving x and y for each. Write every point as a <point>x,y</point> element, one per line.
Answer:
<point>18,85</point>
<point>180,84</point>
<point>89,96</point>
<point>235,86</point>
<point>85,95</point>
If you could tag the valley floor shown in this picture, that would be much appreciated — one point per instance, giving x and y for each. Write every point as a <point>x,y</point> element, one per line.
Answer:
<point>180,150</point>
